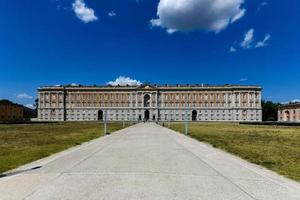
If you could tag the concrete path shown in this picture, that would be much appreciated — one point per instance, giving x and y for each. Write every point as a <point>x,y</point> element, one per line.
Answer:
<point>145,161</point>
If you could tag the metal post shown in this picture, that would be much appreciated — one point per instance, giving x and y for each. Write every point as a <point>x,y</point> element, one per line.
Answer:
<point>105,122</point>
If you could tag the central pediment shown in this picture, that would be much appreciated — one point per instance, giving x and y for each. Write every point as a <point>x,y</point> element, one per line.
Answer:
<point>146,87</point>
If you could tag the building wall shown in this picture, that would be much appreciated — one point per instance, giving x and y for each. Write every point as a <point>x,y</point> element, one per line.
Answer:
<point>163,103</point>
<point>289,113</point>
<point>11,113</point>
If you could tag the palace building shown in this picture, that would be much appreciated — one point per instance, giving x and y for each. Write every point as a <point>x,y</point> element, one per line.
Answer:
<point>289,112</point>
<point>149,102</point>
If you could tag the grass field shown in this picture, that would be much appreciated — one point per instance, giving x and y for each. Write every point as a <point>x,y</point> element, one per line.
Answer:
<point>24,143</point>
<point>274,147</point>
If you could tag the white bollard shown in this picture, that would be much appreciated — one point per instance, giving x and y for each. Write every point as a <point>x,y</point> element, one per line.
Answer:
<point>105,123</point>
<point>186,128</point>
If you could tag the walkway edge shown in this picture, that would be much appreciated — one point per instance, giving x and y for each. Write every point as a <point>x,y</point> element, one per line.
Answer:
<point>267,173</point>
<point>60,154</point>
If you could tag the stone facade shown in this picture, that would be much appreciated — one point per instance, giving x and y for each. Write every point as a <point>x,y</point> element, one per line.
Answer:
<point>150,102</point>
<point>289,112</point>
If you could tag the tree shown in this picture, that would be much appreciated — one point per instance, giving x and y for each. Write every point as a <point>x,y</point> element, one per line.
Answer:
<point>36,104</point>
<point>269,111</point>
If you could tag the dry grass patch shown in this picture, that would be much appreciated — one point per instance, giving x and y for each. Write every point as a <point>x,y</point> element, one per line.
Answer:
<point>24,143</point>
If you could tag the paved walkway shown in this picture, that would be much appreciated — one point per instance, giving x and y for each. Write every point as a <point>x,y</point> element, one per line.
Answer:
<point>145,161</point>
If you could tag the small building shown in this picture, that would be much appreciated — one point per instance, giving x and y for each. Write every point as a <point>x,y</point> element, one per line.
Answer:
<point>289,112</point>
<point>10,111</point>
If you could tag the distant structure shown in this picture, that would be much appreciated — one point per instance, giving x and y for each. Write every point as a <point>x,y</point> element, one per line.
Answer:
<point>289,112</point>
<point>10,111</point>
<point>150,103</point>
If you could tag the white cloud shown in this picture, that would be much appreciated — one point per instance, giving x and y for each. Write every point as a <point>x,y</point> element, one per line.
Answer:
<point>122,80</point>
<point>112,13</point>
<point>243,79</point>
<point>264,42</point>
<point>261,5</point>
<point>30,106</point>
<point>84,13</point>
<point>292,101</point>
<point>187,15</point>
<point>238,16</point>
<point>24,96</point>
<point>248,39</point>
<point>232,49</point>
<point>249,42</point>
<point>264,3</point>
<point>295,101</point>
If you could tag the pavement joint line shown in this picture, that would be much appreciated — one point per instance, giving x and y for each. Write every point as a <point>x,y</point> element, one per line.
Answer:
<point>61,173</point>
<point>237,161</point>
<point>140,173</point>
<point>38,188</point>
<point>77,163</point>
<point>159,173</point>
<point>265,176</point>
<point>217,171</point>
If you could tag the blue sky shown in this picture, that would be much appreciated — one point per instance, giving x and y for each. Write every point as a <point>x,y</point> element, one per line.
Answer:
<point>53,42</point>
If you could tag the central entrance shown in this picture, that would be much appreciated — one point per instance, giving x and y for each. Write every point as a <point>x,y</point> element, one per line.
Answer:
<point>147,115</point>
<point>194,115</point>
<point>100,115</point>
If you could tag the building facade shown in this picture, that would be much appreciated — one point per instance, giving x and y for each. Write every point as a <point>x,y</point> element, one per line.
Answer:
<point>10,111</point>
<point>289,112</point>
<point>150,102</point>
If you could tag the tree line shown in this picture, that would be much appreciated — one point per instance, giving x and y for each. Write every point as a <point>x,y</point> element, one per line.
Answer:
<point>269,110</point>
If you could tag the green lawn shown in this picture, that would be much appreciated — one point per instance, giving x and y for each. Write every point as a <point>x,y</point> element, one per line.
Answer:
<point>275,147</point>
<point>24,143</point>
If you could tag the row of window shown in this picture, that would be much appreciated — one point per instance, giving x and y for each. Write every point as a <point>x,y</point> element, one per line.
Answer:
<point>251,96</point>
<point>123,97</point>
<point>138,117</point>
<point>132,116</point>
<point>288,111</point>
<point>90,97</point>
<point>133,111</point>
<point>153,102</point>
<point>194,104</point>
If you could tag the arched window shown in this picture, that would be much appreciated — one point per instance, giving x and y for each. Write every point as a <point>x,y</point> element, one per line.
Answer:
<point>287,115</point>
<point>147,100</point>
